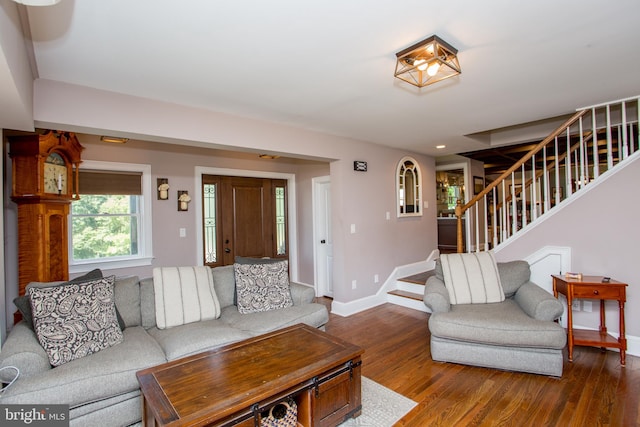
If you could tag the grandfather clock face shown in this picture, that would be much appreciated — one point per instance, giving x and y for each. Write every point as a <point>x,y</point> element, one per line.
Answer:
<point>55,174</point>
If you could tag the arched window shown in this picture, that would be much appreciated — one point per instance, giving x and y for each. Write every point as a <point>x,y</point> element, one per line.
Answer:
<point>409,187</point>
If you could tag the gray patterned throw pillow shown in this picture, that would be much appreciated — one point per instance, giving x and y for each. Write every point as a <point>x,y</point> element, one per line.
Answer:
<point>75,320</point>
<point>262,287</point>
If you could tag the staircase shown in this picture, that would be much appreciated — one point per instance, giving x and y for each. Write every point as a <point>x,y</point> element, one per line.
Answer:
<point>587,146</point>
<point>410,290</point>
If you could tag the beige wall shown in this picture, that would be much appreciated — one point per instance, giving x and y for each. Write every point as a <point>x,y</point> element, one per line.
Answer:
<point>601,227</point>
<point>377,247</point>
<point>178,163</point>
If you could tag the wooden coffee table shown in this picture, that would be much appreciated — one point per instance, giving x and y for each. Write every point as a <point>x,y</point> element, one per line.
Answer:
<point>234,384</point>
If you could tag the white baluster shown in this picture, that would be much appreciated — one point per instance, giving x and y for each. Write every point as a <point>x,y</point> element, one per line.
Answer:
<point>625,147</point>
<point>486,222</point>
<point>523,198</point>
<point>477,224</point>
<point>619,144</point>
<point>495,217</point>
<point>557,168</point>
<point>609,143</point>
<point>534,190</point>
<point>596,155</point>
<point>581,135</point>
<point>567,166</point>
<point>514,207</point>
<point>638,122</point>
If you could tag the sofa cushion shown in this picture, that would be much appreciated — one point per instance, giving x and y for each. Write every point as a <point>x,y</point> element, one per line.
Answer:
<point>224,282</point>
<point>147,303</point>
<point>301,294</point>
<point>184,295</point>
<point>262,286</point>
<point>472,278</point>
<point>500,324</point>
<point>75,320</point>
<point>110,372</point>
<point>24,304</point>
<point>127,296</point>
<point>315,315</point>
<point>194,338</point>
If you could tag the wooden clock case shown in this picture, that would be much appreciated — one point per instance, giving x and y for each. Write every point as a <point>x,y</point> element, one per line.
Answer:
<point>43,214</point>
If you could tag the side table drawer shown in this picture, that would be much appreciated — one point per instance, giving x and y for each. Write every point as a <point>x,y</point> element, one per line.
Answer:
<point>599,292</point>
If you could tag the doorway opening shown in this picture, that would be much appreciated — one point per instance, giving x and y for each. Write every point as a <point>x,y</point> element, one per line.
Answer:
<point>243,217</point>
<point>290,205</point>
<point>322,238</point>
<point>451,188</point>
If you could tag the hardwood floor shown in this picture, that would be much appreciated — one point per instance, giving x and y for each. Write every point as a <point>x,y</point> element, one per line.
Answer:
<point>593,391</point>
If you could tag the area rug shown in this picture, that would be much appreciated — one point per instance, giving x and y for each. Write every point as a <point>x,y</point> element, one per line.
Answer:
<point>381,407</point>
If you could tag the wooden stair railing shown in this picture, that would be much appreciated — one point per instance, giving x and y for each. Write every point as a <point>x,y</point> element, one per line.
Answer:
<point>594,139</point>
<point>539,173</point>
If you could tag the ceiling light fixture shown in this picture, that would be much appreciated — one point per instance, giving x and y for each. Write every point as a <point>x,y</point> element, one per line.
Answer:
<point>37,2</point>
<point>427,62</point>
<point>114,139</point>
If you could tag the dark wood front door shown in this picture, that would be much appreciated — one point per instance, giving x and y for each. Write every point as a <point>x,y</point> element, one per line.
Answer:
<point>243,217</point>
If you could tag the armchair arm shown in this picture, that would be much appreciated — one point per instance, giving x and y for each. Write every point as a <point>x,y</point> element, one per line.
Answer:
<point>436,296</point>
<point>538,303</point>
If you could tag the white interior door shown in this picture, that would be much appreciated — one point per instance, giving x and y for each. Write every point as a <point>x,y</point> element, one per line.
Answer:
<point>323,244</point>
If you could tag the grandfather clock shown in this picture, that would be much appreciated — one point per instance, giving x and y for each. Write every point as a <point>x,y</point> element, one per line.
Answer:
<point>44,181</point>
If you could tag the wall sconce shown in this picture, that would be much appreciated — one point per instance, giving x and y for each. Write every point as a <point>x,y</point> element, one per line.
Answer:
<point>163,189</point>
<point>427,62</point>
<point>183,201</point>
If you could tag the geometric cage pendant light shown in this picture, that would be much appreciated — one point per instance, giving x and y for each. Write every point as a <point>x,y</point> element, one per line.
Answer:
<point>427,62</point>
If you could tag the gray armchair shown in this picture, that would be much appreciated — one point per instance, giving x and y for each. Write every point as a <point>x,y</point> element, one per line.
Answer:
<point>517,334</point>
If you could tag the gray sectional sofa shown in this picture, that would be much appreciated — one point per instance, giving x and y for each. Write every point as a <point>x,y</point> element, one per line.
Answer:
<point>517,334</point>
<point>102,389</point>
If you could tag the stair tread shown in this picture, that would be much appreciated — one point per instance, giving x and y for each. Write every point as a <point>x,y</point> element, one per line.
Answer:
<point>420,278</point>
<point>406,294</point>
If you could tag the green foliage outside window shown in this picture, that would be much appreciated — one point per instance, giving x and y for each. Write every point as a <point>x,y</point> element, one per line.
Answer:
<point>104,226</point>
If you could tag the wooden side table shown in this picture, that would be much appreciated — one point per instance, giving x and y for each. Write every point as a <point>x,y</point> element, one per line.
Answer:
<point>592,287</point>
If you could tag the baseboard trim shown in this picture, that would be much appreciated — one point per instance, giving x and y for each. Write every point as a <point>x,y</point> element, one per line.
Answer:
<point>346,309</point>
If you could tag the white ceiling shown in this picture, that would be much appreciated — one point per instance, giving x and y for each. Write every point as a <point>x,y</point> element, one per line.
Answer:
<point>328,65</point>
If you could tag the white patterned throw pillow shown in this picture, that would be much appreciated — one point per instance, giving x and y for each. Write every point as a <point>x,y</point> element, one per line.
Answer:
<point>75,320</point>
<point>262,286</point>
<point>184,295</point>
<point>472,278</point>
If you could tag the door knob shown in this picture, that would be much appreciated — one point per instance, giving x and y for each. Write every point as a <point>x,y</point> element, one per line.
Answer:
<point>227,250</point>
<point>323,241</point>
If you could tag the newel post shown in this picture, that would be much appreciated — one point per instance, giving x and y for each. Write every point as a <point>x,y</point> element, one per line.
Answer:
<point>458,211</point>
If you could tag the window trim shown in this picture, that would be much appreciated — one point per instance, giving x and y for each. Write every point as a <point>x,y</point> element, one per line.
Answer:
<point>145,248</point>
